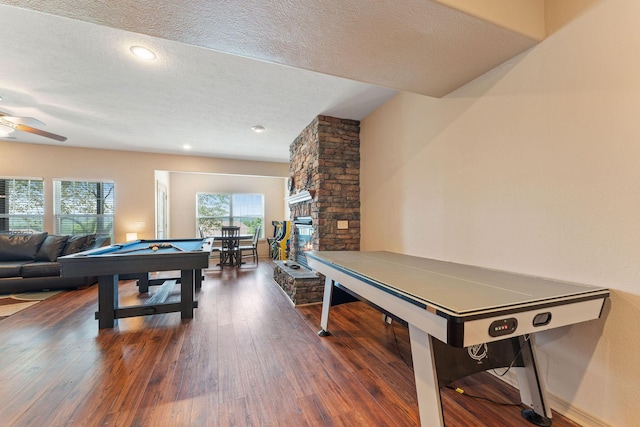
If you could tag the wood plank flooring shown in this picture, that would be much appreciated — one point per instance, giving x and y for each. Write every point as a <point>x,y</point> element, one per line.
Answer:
<point>248,358</point>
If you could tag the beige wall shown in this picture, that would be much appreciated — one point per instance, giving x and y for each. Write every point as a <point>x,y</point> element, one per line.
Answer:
<point>523,16</point>
<point>184,187</point>
<point>532,168</point>
<point>133,174</point>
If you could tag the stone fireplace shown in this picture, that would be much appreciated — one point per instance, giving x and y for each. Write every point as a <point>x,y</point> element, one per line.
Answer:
<point>324,189</point>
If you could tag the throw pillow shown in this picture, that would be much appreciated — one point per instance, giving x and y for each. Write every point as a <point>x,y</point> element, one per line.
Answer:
<point>91,239</point>
<point>78,243</point>
<point>51,248</point>
<point>16,247</point>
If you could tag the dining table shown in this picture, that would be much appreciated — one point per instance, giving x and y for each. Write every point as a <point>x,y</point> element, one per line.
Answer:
<point>231,256</point>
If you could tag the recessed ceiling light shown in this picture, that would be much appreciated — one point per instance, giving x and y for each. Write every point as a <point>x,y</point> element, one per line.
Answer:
<point>258,129</point>
<point>186,147</point>
<point>143,53</point>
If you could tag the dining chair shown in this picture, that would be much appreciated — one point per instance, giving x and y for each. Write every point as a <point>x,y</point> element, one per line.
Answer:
<point>214,248</point>
<point>253,249</point>
<point>229,251</point>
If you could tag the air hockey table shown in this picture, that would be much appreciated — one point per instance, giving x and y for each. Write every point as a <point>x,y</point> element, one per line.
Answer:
<point>462,319</point>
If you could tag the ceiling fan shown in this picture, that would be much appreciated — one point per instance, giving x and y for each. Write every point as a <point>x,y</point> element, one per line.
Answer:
<point>9,124</point>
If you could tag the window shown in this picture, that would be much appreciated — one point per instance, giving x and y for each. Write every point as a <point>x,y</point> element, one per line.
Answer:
<point>243,210</point>
<point>21,205</point>
<point>83,207</point>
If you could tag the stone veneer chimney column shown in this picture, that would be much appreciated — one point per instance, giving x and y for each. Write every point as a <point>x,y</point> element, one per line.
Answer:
<point>325,160</point>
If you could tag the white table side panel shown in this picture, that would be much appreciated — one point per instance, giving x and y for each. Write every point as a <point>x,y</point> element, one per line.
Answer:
<point>477,331</point>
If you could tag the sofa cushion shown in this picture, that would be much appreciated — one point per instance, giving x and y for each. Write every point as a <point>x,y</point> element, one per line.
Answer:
<point>40,269</point>
<point>78,243</point>
<point>11,268</point>
<point>51,248</point>
<point>101,241</point>
<point>16,247</point>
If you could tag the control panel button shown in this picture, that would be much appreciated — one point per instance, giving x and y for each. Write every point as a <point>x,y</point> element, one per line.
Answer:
<point>502,327</point>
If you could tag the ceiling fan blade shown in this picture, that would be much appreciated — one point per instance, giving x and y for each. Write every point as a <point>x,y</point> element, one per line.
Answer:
<point>25,128</point>
<point>27,121</point>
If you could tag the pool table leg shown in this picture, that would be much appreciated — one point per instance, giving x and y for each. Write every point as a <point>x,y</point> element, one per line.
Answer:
<point>198,278</point>
<point>107,300</point>
<point>186,293</point>
<point>143,283</point>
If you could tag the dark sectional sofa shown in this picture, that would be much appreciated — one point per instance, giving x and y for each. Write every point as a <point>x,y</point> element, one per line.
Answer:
<point>28,262</point>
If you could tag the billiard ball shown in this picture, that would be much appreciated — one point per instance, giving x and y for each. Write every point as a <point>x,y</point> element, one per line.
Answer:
<point>155,249</point>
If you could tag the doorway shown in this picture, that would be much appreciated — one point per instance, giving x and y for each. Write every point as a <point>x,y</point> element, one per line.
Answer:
<point>161,211</point>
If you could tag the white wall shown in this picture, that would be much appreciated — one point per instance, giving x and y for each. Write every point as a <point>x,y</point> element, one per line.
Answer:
<point>532,168</point>
<point>184,187</point>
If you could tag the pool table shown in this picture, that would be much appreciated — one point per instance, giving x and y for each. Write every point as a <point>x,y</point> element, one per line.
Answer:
<point>138,258</point>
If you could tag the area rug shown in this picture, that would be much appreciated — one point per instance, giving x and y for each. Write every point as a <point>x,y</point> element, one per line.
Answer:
<point>11,304</point>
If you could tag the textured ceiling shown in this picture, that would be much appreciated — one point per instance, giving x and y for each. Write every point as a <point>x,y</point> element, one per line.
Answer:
<point>225,66</point>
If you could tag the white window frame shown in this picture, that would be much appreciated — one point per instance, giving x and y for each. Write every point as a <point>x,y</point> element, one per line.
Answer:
<point>85,219</point>
<point>210,224</point>
<point>22,216</point>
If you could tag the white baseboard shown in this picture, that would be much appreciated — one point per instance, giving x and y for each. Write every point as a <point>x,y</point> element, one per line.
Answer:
<point>561,406</point>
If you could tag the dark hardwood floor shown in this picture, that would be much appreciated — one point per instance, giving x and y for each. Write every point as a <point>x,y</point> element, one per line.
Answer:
<point>248,358</point>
